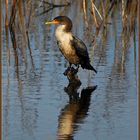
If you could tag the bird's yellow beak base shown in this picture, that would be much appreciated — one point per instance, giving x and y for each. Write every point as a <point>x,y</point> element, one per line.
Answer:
<point>52,22</point>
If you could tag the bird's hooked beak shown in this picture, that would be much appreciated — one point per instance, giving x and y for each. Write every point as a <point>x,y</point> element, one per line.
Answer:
<point>52,22</point>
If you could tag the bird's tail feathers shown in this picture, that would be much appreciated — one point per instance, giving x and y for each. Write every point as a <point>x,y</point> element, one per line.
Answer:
<point>89,67</point>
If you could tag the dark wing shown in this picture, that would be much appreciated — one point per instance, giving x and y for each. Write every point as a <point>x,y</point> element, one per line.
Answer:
<point>82,53</point>
<point>80,48</point>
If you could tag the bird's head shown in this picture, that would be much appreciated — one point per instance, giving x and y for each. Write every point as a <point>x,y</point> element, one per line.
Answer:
<point>62,20</point>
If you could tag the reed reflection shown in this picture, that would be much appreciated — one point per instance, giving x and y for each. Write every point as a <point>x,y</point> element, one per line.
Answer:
<point>76,110</point>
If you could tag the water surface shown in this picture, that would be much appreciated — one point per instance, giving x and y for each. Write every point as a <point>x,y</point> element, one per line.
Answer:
<point>36,102</point>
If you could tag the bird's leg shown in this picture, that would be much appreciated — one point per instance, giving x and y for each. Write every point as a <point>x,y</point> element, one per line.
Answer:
<point>76,70</point>
<point>68,69</point>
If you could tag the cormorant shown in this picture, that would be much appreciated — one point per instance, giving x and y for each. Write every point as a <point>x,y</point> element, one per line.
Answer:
<point>73,49</point>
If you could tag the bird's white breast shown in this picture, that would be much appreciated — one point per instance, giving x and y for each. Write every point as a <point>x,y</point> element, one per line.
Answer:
<point>64,38</point>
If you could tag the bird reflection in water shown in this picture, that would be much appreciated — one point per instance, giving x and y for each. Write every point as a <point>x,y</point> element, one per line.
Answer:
<point>76,110</point>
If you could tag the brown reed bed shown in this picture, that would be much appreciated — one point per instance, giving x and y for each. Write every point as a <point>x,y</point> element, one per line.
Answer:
<point>18,15</point>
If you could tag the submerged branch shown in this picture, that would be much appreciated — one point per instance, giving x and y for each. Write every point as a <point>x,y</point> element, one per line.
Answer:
<point>56,5</point>
<point>52,6</point>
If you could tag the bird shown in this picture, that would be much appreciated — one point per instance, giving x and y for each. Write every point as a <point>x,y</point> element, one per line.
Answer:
<point>73,49</point>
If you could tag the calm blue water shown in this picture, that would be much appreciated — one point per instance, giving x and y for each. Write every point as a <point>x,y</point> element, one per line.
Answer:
<point>35,104</point>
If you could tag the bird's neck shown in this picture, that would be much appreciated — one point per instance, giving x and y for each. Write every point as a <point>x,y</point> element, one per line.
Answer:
<point>61,34</point>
